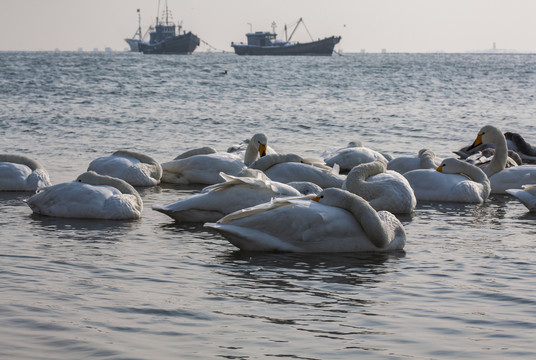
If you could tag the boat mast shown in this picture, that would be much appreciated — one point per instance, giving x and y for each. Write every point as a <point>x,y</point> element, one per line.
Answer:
<point>157,12</point>
<point>295,27</point>
<point>139,24</point>
<point>297,24</point>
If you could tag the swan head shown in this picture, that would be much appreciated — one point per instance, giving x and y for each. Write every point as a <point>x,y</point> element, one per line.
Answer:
<point>260,142</point>
<point>486,135</point>
<point>450,166</point>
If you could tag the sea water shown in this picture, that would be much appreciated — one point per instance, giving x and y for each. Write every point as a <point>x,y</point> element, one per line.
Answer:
<point>154,289</point>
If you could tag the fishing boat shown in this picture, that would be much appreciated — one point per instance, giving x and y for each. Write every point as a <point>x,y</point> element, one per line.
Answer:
<point>168,39</point>
<point>266,43</point>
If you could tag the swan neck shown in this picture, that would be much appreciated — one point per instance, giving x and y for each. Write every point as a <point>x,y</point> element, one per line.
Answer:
<point>251,154</point>
<point>369,220</point>
<point>144,159</point>
<point>498,162</point>
<point>20,159</point>
<point>427,161</point>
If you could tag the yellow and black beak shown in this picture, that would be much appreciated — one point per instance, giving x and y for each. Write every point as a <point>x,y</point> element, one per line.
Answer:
<point>262,150</point>
<point>440,168</point>
<point>478,141</point>
<point>316,198</point>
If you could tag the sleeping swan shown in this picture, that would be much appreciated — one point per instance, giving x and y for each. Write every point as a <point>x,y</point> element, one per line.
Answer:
<point>383,189</point>
<point>91,196</point>
<point>135,168</point>
<point>205,168</point>
<point>235,193</point>
<point>337,221</point>
<point>454,181</point>
<point>426,159</point>
<point>352,155</point>
<point>291,167</point>
<point>502,178</point>
<point>20,173</point>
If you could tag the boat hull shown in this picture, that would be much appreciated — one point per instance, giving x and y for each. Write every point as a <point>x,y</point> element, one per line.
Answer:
<point>180,44</point>
<point>321,47</point>
<point>134,44</point>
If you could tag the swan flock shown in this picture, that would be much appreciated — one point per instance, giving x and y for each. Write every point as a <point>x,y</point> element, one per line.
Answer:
<point>260,200</point>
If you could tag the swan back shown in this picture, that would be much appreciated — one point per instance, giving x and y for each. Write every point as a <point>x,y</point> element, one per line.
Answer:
<point>268,161</point>
<point>197,151</point>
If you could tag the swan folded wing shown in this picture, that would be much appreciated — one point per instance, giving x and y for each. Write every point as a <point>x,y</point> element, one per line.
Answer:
<point>201,169</point>
<point>512,178</point>
<point>526,196</point>
<point>290,172</point>
<point>74,200</point>
<point>13,176</point>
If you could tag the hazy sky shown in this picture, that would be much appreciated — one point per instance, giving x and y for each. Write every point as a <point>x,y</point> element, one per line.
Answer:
<point>372,25</point>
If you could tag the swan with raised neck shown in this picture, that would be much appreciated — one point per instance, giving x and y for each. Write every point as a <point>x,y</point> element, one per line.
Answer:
<point>490,134</point>
<point>256,148</point>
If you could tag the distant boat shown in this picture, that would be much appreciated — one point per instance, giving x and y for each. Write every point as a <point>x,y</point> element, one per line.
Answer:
<point>164,39</point>
<point>266,43</point>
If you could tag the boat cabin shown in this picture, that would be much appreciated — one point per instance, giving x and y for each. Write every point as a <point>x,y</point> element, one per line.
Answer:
<point>162,32</point>
<point>261,38</point>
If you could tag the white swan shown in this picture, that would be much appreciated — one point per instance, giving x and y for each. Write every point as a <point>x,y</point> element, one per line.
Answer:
<point>205,168</point>
<point>135,168</point>
<point>20,173</point>
<point>233,194</point>
<point>426,159</point>
<point>291,167</point>
<point>454,181</point>
<point>383,189</point>
<point>339,222</point>
<point>90,196</point>
<point>352,155</point>
<point>502,178</point>
<point>526,195</point>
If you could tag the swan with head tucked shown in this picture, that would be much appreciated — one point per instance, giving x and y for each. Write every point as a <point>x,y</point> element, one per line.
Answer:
<point>20,173</point>
<point>383,189</point>
<point>454,181</point>
<point>135,168</point>
<point>235,193</point>
<point>526,195</point>
<point>338,221</point>
<point>500,177</point>
<point>90,196</point>
<point>204,168</point>
<point>352,155</point>
<point>426,159</point>
<point>291,168</point>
